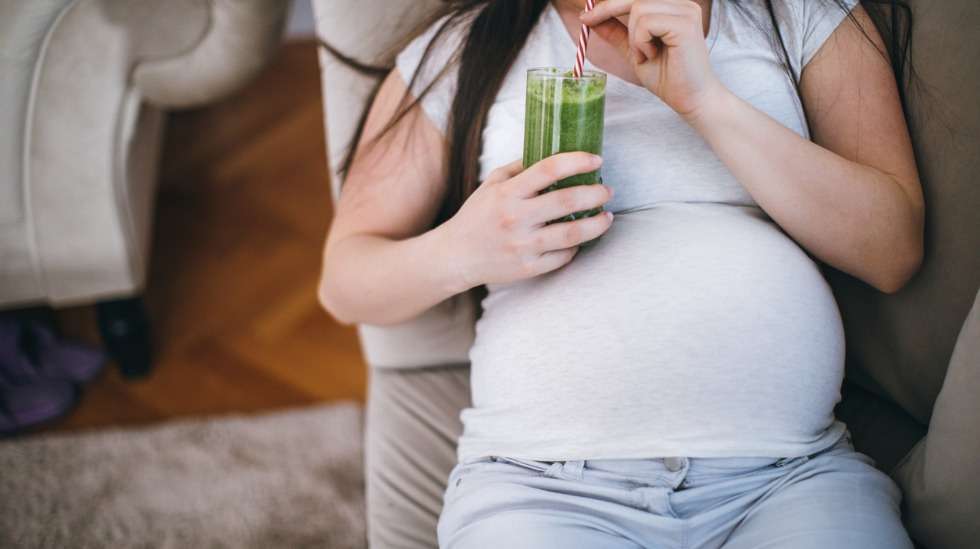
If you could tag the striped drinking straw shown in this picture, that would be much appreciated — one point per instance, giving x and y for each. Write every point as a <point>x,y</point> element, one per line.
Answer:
<point>583,43</point>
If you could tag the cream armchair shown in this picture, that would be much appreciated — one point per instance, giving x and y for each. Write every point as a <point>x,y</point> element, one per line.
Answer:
<point>84,87</point>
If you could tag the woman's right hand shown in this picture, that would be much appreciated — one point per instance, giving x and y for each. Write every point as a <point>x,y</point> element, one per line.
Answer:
<point>501,235</point>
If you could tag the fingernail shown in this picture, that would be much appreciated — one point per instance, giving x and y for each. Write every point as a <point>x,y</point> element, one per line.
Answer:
<point>596,160</point>
<point>609,215</point>
<point>612,192</point>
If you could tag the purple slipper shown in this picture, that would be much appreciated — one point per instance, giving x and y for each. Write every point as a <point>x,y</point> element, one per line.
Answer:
<point>15,367</point>
<point>22,407</point>
<point>61,359</point>
<point>29,351</point>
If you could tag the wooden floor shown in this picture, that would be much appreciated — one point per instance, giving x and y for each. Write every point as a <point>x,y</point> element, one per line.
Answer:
<point>241,216</point>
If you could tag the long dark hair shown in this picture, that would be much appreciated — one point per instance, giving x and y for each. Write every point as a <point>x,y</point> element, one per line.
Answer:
<point>498,33</point>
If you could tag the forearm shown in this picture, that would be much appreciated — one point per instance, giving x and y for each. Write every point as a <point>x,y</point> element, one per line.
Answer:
<point>853,217</point>
<point>376,280</point>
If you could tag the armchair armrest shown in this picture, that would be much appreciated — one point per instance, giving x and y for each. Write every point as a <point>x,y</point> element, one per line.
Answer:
<point>240,38</point>
<point>91,86</point>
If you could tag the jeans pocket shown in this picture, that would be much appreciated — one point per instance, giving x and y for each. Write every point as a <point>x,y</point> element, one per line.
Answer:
<point>459,472</point>
<point>488,468</point>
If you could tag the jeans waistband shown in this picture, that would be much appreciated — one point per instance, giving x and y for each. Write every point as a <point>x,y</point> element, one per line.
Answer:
<point>668,470</point>
<point>701,468</point>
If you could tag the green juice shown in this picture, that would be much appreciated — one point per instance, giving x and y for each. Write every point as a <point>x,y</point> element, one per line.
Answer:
<point>564,114</point>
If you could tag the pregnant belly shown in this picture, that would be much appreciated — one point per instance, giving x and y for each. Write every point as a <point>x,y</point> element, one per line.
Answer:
<point>691,313</point>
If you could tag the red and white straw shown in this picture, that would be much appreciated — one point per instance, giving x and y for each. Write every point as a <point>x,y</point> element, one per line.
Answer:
<point>583,43</point>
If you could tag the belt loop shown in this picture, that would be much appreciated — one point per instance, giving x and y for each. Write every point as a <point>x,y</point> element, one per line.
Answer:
<point>568,470</point>
<point>554,470</point>
<point>574,469</point>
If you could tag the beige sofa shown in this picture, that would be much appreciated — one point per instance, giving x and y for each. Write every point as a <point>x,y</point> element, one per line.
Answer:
<point>899,346</point>
<point>83,91</point>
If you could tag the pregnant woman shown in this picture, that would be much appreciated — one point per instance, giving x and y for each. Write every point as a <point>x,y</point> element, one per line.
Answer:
<point>672,385</point>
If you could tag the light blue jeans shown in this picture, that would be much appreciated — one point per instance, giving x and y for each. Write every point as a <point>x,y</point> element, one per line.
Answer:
<point>834,499</point>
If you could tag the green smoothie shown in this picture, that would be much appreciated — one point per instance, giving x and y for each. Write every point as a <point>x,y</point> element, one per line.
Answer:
<point>564,114</point>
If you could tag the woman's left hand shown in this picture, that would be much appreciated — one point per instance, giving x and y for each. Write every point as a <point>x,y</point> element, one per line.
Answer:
<point>664,41</point>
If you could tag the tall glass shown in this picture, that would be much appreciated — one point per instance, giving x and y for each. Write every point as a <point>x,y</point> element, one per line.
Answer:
<point>565,114</point>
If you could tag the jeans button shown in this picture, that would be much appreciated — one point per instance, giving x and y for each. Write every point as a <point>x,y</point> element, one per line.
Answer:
<point>674,464</point>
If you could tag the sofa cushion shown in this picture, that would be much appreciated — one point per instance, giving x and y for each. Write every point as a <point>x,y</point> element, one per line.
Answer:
<point>941,476</point>
<point>412,428</point>
<point>900,345</point>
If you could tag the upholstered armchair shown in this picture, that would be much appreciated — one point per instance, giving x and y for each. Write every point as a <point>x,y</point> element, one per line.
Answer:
<point>83,94</point>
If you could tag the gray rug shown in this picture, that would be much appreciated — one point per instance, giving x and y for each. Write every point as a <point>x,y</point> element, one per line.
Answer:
<point>289,479</point>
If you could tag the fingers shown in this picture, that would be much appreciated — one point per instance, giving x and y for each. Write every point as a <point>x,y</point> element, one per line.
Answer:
<point>558,204</point>
<point>645,28</point>
<point>559,236</point>
<point>606,10</point>
<point>554,168</point>
<point>553,260</point>
<point>642,49</point>
<point>618,8</point>
<point>505,172</point>
<point>664,20</point>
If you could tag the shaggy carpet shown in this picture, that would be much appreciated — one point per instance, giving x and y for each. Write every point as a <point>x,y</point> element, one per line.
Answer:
<point>287,479</point>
